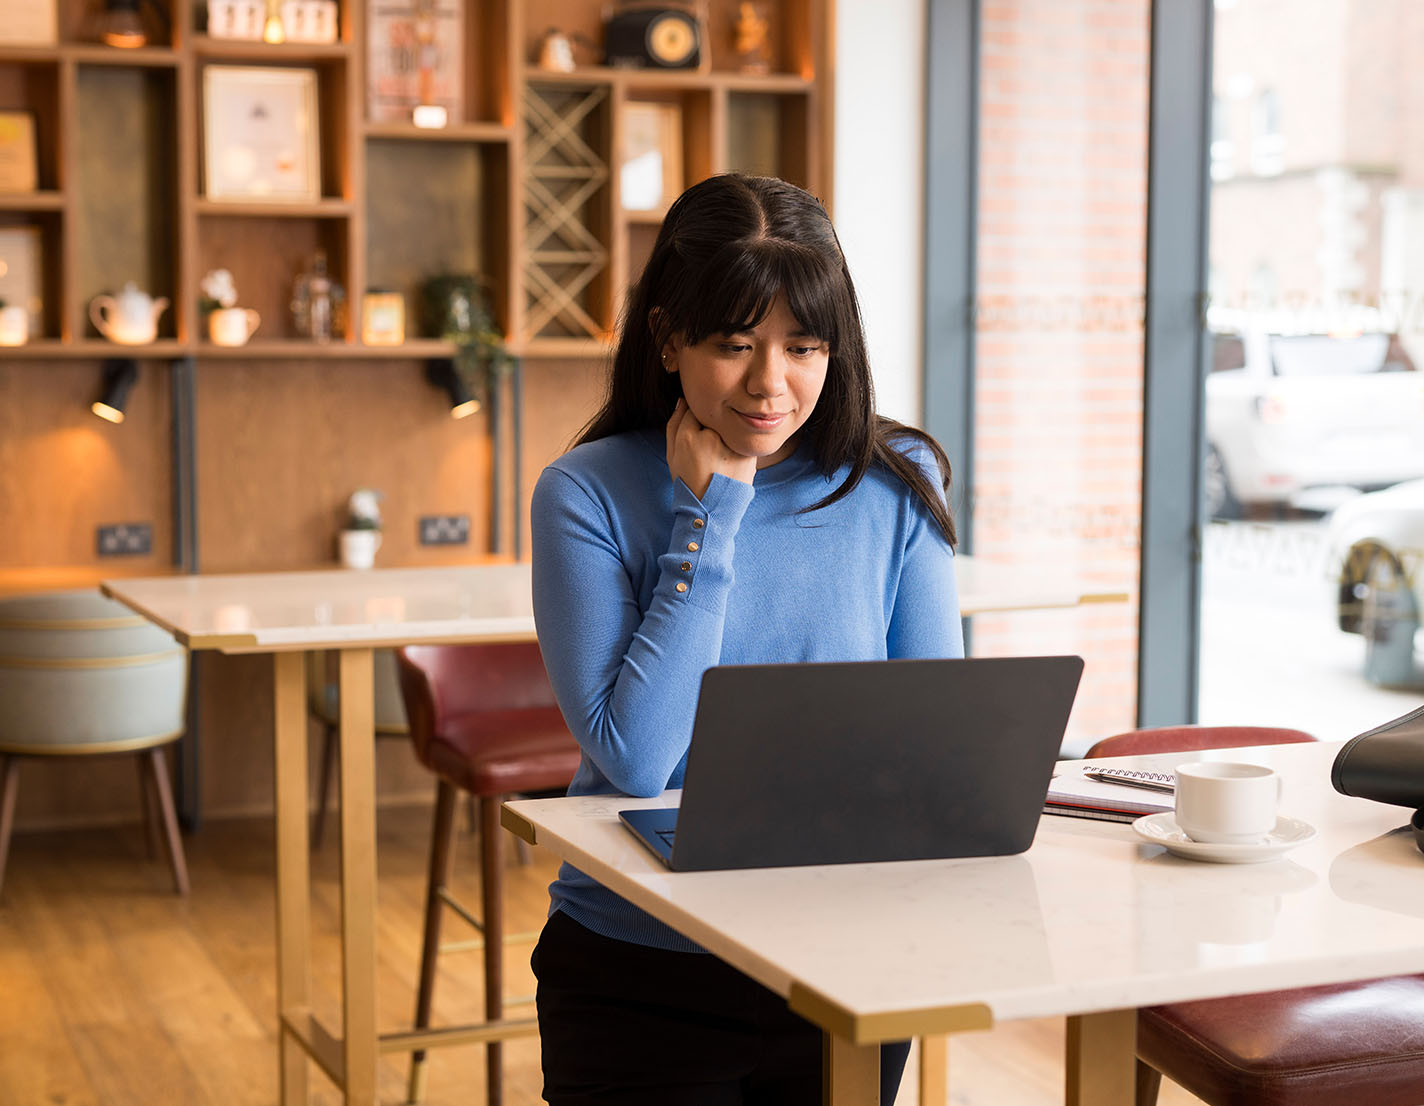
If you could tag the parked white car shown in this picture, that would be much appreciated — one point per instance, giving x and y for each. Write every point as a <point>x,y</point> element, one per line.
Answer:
<point>1375,539</point>
<point>1291,414</point>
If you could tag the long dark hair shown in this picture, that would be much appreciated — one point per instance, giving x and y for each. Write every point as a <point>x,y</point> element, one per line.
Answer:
<point>726,249</point>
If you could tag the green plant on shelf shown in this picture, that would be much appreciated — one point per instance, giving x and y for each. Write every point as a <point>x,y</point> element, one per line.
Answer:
<point>455,307</point>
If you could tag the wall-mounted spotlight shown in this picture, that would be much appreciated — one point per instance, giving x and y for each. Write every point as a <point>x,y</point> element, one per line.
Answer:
<point>442,373</point>
<point>119,376</point>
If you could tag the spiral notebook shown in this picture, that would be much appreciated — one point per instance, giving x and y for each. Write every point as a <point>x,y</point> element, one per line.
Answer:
<point>1074,795</point>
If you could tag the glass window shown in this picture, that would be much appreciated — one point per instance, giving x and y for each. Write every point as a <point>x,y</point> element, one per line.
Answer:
<point>1316,262</point>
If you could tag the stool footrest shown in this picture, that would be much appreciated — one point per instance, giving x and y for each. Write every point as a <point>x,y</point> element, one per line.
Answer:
<point>411,1040</point>
<point>526,938</point>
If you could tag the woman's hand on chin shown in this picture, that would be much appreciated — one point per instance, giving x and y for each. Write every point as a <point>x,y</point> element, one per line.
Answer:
<point>695,453</point>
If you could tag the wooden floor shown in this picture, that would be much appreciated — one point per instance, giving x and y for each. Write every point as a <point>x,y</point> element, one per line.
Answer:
<point>115,992</point>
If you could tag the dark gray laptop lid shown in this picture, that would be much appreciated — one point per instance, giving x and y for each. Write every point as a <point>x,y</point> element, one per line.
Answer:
<point>870,761</point>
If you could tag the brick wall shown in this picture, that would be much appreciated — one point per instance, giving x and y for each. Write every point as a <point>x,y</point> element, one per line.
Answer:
<point>1062,249</point>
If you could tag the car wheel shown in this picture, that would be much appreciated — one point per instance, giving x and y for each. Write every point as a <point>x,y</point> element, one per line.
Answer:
<point>1218,500</point>
<point>1363,560</point>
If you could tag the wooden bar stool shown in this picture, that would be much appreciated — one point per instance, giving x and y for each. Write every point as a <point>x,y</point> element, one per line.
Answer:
<point>484,720</point>
<point>1311,1046</point>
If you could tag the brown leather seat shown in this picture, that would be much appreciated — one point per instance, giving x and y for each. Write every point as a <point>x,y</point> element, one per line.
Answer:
<point>484,720</point>
<point>1356,1043</point>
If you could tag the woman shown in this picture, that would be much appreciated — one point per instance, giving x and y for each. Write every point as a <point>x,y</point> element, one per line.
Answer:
<point>735,501</point>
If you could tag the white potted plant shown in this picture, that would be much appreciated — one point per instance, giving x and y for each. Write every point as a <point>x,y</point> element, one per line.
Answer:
<point>362,535</point>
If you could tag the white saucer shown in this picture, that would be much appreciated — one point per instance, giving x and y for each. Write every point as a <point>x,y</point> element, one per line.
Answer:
<point>1162,829</point>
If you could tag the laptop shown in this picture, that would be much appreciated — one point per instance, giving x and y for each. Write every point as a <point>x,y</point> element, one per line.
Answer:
<point>862,761</point>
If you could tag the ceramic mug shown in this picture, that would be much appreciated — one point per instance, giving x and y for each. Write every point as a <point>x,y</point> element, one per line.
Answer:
<point>1225,803</point>
<point>14,325</point>
<point>232,326</point>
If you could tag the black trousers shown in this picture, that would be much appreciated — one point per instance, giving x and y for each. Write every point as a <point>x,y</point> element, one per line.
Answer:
<point>637,1026</point>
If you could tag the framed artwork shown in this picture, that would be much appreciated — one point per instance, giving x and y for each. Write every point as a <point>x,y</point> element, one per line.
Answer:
<point>415,59</point>
<point>28,23</point>
<point>650,155</point>
<point>260,134</point>
<point>17,152</point>
<point>20,274</point>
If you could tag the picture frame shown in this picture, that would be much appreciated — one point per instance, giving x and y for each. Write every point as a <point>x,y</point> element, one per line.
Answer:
<point>18,171</point>
<point>260,134</point>
<point>415,58</point>
<point>650,155</point>
<point>29,23</point>
<point>21,272</point>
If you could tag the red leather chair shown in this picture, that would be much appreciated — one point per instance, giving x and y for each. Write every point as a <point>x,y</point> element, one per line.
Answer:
<point>1312,1046</point>
<point>1190,739</point>
<point>484,720</point>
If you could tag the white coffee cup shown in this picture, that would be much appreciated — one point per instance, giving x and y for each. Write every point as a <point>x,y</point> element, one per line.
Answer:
<point>232,326</point>
<point>1224,803</point>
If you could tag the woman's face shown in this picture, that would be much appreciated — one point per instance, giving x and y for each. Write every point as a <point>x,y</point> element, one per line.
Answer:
<point>756,389</point>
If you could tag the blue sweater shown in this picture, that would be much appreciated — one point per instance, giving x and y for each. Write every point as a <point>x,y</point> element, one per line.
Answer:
<point>639,587</point>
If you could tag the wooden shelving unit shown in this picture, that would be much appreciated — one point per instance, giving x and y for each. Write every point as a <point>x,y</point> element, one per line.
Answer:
<point>548,233</point>
<point>522,187</point>
<point>241,459</point>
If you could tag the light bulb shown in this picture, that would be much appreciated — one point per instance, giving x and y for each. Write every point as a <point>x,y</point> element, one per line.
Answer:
<point>272,30</point>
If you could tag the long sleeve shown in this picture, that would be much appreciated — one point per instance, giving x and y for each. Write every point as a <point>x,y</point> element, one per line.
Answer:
<point>925,620</point>
<point>627,679</point>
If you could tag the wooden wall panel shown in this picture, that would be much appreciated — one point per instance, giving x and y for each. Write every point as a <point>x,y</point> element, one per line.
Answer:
<point>64,471</point>
<point>282,445</point>
<point>559,397</point>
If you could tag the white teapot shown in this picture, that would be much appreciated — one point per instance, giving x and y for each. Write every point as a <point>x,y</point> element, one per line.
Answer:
<point>130,318</point>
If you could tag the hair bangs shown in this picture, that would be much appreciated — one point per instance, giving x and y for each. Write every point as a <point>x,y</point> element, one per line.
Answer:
<point>739,286</point>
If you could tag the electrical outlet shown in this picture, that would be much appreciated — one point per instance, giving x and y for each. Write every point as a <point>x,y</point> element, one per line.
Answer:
<point>444,529</point>
<point>125,539</point>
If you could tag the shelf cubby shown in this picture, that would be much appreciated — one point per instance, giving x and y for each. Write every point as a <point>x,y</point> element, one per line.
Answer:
<point>124,188</point>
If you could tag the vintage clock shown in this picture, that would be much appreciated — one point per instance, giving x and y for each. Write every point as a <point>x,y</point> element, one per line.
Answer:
<point>654,35</point>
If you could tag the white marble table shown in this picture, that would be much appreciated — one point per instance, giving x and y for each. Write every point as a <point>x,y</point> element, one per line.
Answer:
<point>1088,924</point>
<point>286,615</point>
<point>289,614</point>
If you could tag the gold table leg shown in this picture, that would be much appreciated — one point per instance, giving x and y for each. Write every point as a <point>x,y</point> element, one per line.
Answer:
<point>358,875</point>
<point>293,869</point>
<point>934,1070</point>
<point>850,1072</point>
<point>1101,1060</point>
